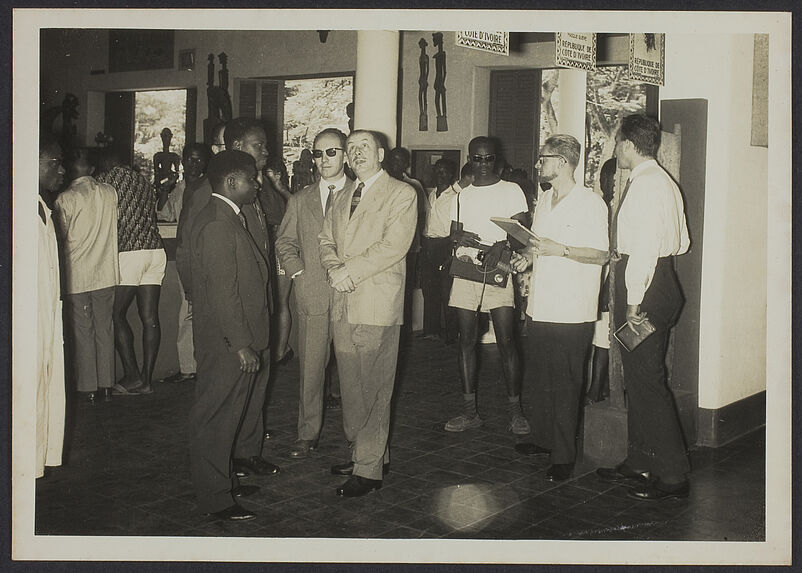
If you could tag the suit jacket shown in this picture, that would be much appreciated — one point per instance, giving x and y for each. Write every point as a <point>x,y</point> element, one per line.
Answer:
<point>372,244</point>
<point>230,278</point>
<point>299,248</point>
<point>193,205</point>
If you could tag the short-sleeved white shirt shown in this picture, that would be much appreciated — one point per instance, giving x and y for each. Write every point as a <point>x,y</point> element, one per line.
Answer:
<point>478,204</point>
<point>563,290</point>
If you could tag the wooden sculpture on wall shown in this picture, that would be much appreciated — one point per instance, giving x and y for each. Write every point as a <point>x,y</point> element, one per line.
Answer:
<point>68,110</point>
<point>219,101</point>
<point>440,82</point>
<point>423,86</point>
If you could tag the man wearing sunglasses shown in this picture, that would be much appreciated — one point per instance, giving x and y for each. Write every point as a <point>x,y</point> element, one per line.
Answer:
<point>471,227</point>
<point>571,224</point>
<point>299,251</point>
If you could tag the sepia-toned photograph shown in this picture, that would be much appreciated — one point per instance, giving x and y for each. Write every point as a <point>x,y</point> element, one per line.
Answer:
<point>324,286</point>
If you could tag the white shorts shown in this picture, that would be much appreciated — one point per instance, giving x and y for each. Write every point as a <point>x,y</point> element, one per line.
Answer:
<point>145,267</point>
<point>467,295</point>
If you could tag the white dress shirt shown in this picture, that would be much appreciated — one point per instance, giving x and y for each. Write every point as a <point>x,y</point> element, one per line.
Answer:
<point>371,180</point>
<point>229,201</point>
<point>324,189</point>
<point>563,290</point>
<point>438,212</point>
<point>651,224</point>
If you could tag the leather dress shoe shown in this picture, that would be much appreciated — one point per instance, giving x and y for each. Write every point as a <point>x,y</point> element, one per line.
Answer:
<point>347,469</point>
<point>302,448</point>
<point>254,464</point>
<point>269,434</point>
<point>528,449</point>
<point>559,472</point>
<point>245,490</point>
<point>179,377</point>
<point>289,355</point>
<point>88,397</point>
<point>622,473</point>
<point>654,491</point>
<point>234,513</point>
<point>357,486</point>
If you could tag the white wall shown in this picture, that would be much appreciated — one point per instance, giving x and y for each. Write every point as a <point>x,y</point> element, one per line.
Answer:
<point>732,361</point>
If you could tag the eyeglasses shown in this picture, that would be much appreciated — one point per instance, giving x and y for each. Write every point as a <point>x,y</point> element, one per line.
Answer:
<point>331,152</point>
<point>490,158</point>
<point>545,155</point>
<point>53,160</point>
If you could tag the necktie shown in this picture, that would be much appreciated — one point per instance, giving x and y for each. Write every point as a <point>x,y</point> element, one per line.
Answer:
<point>614,223</point>
<point>328,199</point>
<point>357,196</point>
<point>242,220</point>
<point>260,214</point>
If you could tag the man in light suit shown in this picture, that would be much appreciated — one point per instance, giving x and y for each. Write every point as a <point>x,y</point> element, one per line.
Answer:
<point>231,333</point>
<point>299,251</point>
<point>365,238</point>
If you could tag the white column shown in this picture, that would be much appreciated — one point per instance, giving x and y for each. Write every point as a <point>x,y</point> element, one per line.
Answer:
<point>571,114</point>
<point>376,86</point>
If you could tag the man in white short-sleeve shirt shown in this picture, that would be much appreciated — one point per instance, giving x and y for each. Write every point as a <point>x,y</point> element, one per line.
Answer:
<point>571,224</point>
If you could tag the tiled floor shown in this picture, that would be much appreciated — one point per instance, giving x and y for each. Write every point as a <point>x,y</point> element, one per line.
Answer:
<point>127,473</point>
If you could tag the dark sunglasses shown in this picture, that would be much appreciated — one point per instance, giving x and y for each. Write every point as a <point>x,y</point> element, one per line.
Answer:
<point>479,158</point>
<point>331,152</point>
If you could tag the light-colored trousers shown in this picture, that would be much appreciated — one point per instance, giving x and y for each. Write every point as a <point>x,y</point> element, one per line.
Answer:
<point>366,360</point>
<point>186,348</point>
<point>91,320</point>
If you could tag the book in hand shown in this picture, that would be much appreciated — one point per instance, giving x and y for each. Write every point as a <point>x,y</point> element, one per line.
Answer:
<point>514,229</point>
<point>631,340</point>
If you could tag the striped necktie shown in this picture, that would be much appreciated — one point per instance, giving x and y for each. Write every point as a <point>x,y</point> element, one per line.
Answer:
<point>357,196</point>
<point>242,220</point>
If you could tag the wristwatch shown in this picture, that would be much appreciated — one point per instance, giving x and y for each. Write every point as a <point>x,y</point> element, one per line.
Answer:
<point>566,251</point>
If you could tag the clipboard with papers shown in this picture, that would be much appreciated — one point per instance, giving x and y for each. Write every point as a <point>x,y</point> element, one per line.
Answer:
<point>514,229</point>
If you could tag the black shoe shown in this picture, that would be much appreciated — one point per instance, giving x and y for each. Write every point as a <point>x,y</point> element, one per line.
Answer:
<point>88,397</point>
<point>559,472</point>
<point>254,464</point>
<point>654,491</point>
<point>528,449</point>
<point>357,486</point>
<point>269,434</point>
<point>348,468</point>
<point>234,513</point>
<point>622,473</point>
<point>245,490</point>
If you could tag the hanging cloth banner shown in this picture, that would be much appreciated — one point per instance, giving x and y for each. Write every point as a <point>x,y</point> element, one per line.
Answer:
<point>576,50</point>
<point>493,42</point>
<point>647,58</point>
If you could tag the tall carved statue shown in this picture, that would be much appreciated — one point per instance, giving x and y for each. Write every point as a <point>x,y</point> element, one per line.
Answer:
<point>423,86</point>
<point>68,110</point>
<point>166,164</point>
<point>440,82</point>
<point>217,96</point>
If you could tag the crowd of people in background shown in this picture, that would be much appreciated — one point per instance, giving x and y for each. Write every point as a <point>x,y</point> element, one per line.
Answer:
<point>345,241</point>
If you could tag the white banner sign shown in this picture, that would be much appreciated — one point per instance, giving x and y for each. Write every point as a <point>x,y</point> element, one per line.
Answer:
<point>647,58</point>
<point>576,50</point>
<point>493,42</point>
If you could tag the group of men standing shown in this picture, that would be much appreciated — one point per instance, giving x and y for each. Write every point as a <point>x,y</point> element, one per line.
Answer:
<point>344,244</point>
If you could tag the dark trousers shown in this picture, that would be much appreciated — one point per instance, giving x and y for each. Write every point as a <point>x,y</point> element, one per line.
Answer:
<point>436,286</point>
<point>559,356</point>
<point>223,421</point>
<point>655,436</point>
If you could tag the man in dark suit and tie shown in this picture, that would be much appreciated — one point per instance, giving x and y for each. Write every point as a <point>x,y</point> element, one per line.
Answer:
<point>298,248</point>
<point>245,135</point>
<point>365,238</point>
<point>231,333</point>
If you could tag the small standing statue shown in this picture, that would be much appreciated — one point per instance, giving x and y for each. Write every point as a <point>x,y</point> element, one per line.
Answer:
<point>440,82</point>
<point>165,164</point>
<point>423,85</point>
<point>217,96</point>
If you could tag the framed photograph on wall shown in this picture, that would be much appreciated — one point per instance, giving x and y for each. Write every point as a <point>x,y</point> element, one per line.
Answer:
<point>423,161</point>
